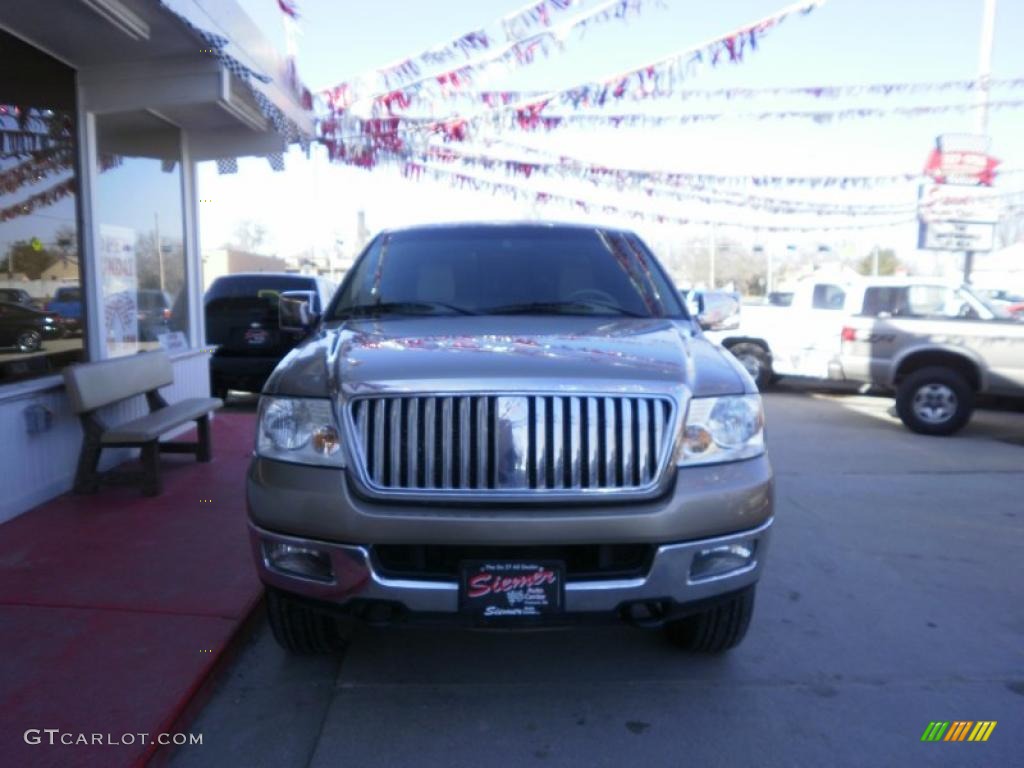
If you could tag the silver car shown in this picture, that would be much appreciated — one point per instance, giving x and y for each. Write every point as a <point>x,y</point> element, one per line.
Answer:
<point>508,425</point>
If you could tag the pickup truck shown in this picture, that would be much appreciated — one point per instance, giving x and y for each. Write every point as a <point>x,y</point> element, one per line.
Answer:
<point>67,302</point>
<point>936,345</point>
<point>799,337</point>
<point>507,425</point>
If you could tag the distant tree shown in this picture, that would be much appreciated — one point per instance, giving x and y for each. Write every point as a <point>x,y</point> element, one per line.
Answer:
<point>28,260</point>
<point>887,263</point>
<point>249,236</point>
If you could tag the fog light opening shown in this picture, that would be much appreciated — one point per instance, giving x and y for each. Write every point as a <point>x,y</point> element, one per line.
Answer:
<point>721,560</point>
<point>303,562</point>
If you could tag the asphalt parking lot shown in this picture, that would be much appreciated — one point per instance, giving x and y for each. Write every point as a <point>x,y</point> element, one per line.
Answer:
<point>893,596</point>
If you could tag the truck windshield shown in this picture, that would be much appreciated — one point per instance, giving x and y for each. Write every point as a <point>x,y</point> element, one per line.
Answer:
<point>508,270</point>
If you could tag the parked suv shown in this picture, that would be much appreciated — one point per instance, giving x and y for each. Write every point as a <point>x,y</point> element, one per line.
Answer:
<point>242,323</point>
<point>936,345</point>
<point>508,425</point>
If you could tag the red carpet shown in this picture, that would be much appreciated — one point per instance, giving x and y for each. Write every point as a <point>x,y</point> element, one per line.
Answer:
<point>114,607</point>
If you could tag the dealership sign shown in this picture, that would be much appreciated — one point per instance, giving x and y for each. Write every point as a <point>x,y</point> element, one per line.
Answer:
<point>957,210</point>
<point>963,159</point>
<point>956,236</point>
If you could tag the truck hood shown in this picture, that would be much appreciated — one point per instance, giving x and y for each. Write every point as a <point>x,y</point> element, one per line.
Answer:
<point>442,352</point>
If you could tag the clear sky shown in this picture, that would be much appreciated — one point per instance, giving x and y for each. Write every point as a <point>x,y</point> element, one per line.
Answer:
<point>844,42</point>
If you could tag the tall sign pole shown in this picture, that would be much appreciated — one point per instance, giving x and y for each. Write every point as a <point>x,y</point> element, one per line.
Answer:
<point>988,25</point>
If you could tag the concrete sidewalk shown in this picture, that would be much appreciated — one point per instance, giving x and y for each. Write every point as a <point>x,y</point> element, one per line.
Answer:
<point>115,607</point>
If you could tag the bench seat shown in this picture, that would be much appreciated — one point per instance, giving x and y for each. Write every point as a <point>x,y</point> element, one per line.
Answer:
<point>156,423</point>
<point>93,386</point>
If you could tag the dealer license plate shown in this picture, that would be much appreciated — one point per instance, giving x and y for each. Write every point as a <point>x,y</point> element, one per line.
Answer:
<point>512,590</point>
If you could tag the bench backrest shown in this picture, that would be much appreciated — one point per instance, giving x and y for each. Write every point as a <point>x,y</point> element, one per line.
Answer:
<point>93,385</point>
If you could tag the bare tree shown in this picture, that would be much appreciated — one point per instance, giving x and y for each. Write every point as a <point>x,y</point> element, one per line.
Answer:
<point>249,236</point>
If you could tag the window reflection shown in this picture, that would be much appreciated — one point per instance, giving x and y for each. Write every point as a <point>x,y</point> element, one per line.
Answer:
<point>41,311</point>
<point>140,254</point>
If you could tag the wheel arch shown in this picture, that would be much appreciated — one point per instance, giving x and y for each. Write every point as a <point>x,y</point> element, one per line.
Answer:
<point>957,360</point>
<point>731,341</point>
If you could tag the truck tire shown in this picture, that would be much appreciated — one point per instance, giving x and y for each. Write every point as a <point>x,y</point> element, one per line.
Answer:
<point>934,401</point>
<point>755,359</point>
<point>299,628</point>
<point>717,629</point>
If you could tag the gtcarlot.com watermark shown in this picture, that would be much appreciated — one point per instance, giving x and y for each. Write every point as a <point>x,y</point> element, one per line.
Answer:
<point>55,736</point>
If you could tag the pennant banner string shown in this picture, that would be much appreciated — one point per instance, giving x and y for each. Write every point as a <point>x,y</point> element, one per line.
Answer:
<point>416,171</point>
<point>499,97</point>
<point>397,85</point>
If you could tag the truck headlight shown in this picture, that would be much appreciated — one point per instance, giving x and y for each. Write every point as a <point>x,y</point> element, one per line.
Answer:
<point>300,430</point>
<point>720,429</point>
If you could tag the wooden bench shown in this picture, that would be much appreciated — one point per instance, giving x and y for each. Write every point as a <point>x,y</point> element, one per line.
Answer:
<point>92,386</point>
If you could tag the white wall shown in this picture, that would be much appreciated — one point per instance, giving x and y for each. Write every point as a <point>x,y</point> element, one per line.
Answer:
<point>35,468</point>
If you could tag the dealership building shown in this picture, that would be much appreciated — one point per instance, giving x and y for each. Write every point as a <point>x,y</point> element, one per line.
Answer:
<point>106,106</point>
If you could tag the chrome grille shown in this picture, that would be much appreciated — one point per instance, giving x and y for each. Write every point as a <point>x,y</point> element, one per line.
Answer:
<point>525,443</point>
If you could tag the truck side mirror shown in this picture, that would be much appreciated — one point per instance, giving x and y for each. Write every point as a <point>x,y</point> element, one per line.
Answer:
<point>295,311</point>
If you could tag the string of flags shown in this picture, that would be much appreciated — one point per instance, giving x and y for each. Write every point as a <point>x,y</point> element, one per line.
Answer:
<point>493,98</point>
<point>663,73</point>
<point>39,200</point>
<point>417,171</point>
<point>397,86</point>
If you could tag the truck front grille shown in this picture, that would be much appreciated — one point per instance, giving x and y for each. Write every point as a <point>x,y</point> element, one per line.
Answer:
<point>512,443</point>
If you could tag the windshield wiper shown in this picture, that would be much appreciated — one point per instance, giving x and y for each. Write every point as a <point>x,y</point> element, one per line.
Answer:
<point>404,308</point>
<point>558,307</point>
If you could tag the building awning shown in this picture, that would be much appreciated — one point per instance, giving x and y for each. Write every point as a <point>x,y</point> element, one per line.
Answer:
<point>199,64</point>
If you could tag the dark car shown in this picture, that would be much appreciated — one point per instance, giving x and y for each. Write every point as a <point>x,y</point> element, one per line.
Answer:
<point>24,328</point>
<point>154,313</point>
<point>242,322</point>
<point>16,296</point>
<point>67,302</point>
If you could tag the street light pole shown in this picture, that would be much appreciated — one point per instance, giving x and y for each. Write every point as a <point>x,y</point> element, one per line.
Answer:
<point>159,249</point>
<point>988,26</point>
<point>712,246</point>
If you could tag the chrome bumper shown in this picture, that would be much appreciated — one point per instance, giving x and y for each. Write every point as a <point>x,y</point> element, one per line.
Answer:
<point>669,577</point>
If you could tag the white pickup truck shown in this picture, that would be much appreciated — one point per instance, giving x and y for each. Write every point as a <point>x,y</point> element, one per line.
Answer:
<point>800,338</point>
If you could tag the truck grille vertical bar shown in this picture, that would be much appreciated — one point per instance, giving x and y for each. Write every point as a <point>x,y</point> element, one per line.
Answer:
<point>412,443</point>
<point>482,474</point>
<point>429,441</point>
<point>465,427</point>
<point>576,438</point>
<point>646,455</point>
<point>627,441</point>
<point>540,447</point>
<point>593,457</point>
<point>447,439</point>
<point>378,441</point>
<point>565,443</point>
<point>557,443</point>
<point>611,440</point>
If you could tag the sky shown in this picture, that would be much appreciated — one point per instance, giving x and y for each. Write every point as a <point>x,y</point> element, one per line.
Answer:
<point>313,204</point>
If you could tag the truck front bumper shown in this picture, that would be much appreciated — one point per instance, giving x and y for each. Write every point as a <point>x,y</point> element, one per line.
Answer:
<point>679,574</point>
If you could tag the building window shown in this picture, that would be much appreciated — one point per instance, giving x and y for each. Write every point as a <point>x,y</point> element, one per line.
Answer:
<point>140,232</point>
<point>41,313</point>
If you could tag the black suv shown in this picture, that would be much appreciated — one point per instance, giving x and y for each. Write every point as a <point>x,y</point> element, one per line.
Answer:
<point>242,323</point>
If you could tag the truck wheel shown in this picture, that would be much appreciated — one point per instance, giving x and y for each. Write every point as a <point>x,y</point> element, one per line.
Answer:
<point>298,628</point>
<point>717,629</point>
<point>755,359</point>
<point>29,340</point>
<point>934,401</point>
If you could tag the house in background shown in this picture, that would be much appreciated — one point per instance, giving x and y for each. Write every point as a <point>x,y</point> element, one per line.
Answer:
<point>226,261</point>
<point>106,106</point>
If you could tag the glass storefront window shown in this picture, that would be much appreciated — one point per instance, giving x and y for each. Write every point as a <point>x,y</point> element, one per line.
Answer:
<point>41,312</point>
<point>140,232</point>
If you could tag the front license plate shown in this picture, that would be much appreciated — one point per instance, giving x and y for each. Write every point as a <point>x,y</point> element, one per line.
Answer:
<point>512,590</point>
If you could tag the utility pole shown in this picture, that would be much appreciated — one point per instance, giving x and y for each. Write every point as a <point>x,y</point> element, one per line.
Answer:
<point>712,245</point>
<point>988,26</point>
<point>874,260</point>
<point>159,248</point>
